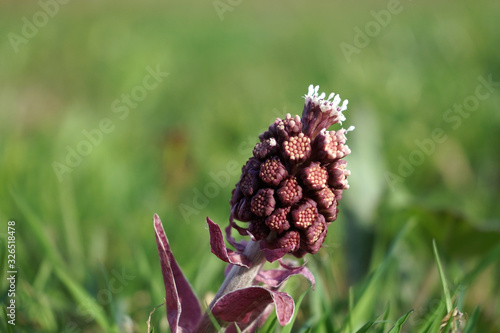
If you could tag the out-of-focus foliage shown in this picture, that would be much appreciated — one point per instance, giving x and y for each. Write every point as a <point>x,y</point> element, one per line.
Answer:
<point>96,137</point>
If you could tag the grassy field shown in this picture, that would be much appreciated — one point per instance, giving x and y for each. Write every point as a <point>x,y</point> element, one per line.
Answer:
<point>111,112</point>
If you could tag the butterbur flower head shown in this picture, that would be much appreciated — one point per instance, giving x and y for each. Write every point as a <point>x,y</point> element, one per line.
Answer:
<point>289,189</point>
<point>287,194</point>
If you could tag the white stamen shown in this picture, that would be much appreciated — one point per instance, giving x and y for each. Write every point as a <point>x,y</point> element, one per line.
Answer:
<point>310,91</point>
<point>336,100</point>
<point>326,105</point>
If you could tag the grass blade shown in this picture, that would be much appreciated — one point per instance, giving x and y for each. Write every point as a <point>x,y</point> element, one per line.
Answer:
<point>369,293</point>
<point>399,323</point>
<point>35,227</point>
<point>92,308</point>
<point>437,317</point>
<point>288,328</point>
<point>446,291</point>
<point>270,325</point>
<point>87,302</point>
<point>381,328</point>
<point>367,326</point>
<point>9,326</point>
<point>492,257</point>
<point>471,322</point>
<point>72,233</point>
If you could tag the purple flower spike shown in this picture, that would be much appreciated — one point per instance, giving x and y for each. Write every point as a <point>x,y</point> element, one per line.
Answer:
<point>288,195</point>
<point>295,179</point>
<point>239,305</point>
<point>183,309</point>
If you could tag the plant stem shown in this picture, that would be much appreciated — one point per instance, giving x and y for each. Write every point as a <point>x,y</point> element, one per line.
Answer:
<point>238,277</point>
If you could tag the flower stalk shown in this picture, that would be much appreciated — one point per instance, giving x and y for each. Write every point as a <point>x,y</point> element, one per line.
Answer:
<point>239,277</point>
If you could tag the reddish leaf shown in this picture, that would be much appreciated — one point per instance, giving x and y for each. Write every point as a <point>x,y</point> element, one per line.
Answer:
<point>220,250</point>
<point>183,309</point>
<point>274,254</point>
<point>239,246</point>
<point>242,304</point>
<point>286,306</point>
<point>274,278</point>
<point>256,320</point>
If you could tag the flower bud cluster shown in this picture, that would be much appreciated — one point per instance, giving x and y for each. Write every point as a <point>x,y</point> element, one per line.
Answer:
<point>289,190</point>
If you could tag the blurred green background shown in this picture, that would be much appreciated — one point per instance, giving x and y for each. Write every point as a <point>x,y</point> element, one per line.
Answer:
<point>424,153</point>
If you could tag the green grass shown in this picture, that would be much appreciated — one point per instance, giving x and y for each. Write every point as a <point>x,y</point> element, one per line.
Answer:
<point>85,249</point>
